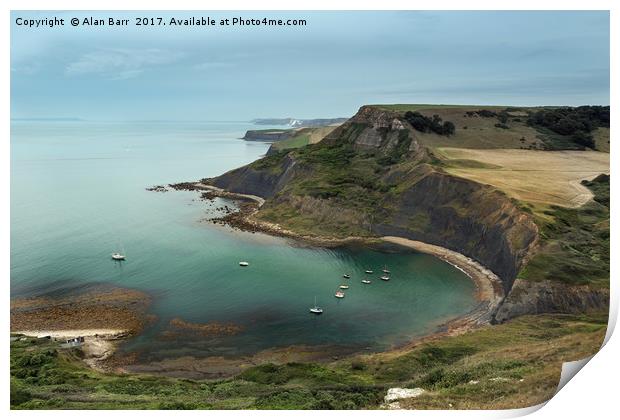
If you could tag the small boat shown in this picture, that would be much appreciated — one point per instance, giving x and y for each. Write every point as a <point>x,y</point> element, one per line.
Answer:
<point>366,281</point>
<point>346,276</point>
<point>385,269</point>
<point>339,294</point>
<point>315,309</point>
<point>368,271</point>
<point>244,263</point>
<point>385,278</point>
<point>344,286</point>
<point>119,256</point>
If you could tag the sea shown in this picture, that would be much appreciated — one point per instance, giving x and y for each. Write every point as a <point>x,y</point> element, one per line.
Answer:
<point>79,193</point>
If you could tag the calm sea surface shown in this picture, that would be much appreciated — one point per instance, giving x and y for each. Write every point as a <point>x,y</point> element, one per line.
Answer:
<point>78,194</point>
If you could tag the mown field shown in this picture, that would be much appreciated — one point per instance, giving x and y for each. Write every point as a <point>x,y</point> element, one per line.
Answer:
<point>537,177</point>
<point>512,365</point>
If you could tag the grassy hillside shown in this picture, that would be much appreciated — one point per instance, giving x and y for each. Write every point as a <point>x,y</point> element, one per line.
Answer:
<point>516,364</point>
<point>575,243</point>
<point>539,128</point>
<point>374,174</point>
<point>302,138</point>
<point>493,127</point>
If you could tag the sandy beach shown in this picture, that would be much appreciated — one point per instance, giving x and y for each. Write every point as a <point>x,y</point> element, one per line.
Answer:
<point>106,316</point>
<point>103,317</point>
<point>490,292</point>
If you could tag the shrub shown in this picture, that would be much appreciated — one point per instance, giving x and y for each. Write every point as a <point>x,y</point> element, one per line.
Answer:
<point>430,125</point>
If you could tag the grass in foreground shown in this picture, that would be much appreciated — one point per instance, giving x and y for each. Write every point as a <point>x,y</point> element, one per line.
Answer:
<point>512,365</point>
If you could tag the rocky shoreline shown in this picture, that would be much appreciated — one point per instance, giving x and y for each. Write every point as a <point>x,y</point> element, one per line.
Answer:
<point>489,294</point>
<point>103,317</point>
<point>106,316</point>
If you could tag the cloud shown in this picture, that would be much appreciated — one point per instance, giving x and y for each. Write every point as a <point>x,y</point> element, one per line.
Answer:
<point>26,69</point>
<point>120,64</point>
<point>212,65</point>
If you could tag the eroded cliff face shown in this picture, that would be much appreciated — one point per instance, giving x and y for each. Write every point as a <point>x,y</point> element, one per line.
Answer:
<point>381,130</point>
<point>472,219</point>
<point>537,297</point>
<point>263,182</point>
<point>423,202</point>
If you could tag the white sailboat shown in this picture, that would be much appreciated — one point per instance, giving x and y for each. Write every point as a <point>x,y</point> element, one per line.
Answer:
<point>119,256</point>
<point>315,309</point>
<point>366,281</point>
<point>385,269</point>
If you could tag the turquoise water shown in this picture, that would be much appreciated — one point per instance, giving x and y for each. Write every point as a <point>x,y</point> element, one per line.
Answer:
<point>78,190</point>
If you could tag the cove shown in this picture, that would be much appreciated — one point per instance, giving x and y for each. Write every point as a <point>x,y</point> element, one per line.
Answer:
<point>78,193</point>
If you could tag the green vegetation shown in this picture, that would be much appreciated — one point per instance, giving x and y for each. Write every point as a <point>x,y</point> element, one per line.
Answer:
<point>272,163</point>
<point>511,365</point>
<point>351,180</point>
<point>575,241</point>
<point>302,138</point>
<point>482,126</point>
<point>570,128</point>
<point>299,140</point>
<point>429,125</point>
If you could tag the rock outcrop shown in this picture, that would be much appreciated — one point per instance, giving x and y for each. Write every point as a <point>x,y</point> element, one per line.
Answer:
<point>268,135</point>
<point>470,218</point>
<point>406,194</point>
<point>536,297</point>
<point>256,180</point>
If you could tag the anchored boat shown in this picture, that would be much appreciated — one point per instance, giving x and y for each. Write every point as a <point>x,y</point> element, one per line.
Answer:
<point>366,281</point>
<point>385,278</point>
<point>119,256</point>
<point>315,309</point>
<point>339,294</point>
<point>244,263</point>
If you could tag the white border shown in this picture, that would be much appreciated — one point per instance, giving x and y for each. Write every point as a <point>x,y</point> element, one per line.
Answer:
<point>591,395</point>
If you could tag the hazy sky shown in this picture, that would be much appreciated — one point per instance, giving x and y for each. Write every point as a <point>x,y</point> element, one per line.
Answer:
<point>329,68</point>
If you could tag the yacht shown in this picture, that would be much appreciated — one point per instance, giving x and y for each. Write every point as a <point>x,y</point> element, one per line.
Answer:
<point>366,281</point>
<point>244,263</point>
<point>116,256</point>
<point>339,294</point>
<point>385,278</point>
<point>315,309</point>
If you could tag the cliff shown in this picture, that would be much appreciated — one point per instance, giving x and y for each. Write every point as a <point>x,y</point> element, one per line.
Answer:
<point>268,135</point>
<point>373,176</point>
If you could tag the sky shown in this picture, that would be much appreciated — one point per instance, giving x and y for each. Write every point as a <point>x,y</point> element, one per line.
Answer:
<point>336,63</point>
